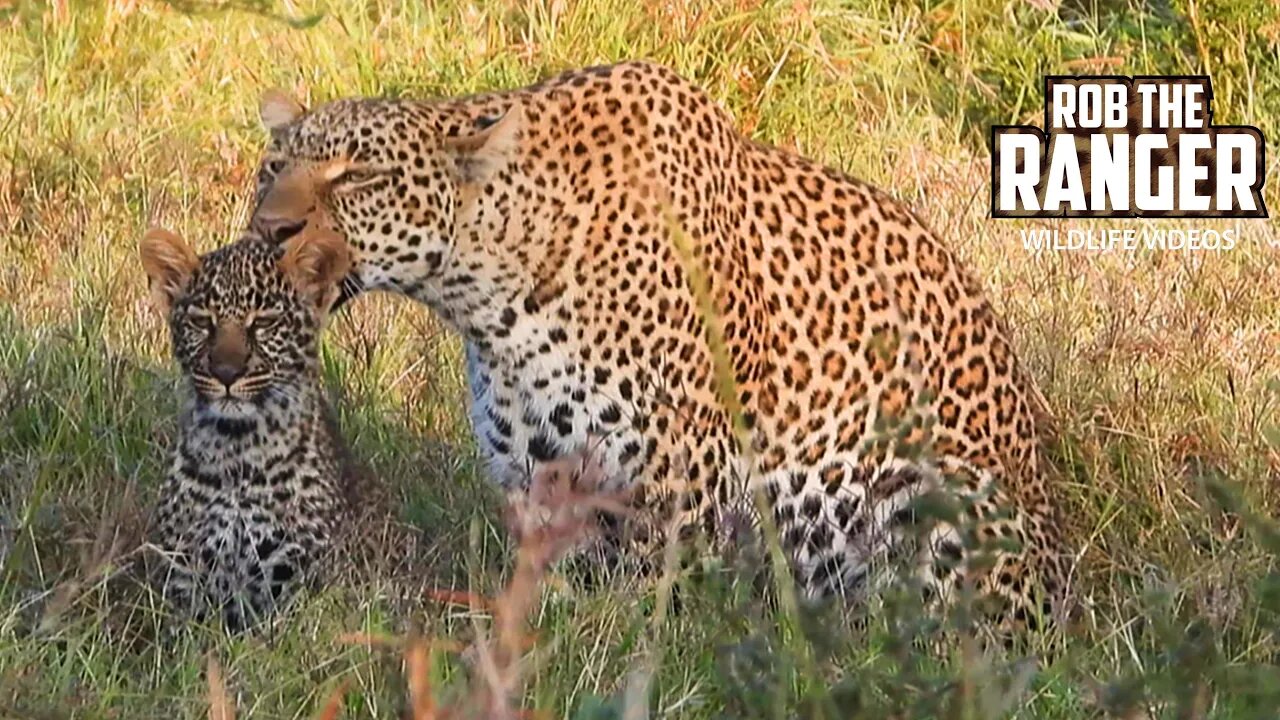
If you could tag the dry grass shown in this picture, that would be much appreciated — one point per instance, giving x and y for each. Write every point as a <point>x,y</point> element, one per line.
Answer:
<point>555,518</point>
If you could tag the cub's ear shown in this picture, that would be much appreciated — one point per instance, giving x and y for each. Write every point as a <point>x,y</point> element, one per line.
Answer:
<point>481,154</point>
<point>168,262</point>
<point>277,109</point>
<point>316,261</point>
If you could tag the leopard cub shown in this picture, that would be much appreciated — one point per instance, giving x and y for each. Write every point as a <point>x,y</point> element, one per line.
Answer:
<point>257,488</point>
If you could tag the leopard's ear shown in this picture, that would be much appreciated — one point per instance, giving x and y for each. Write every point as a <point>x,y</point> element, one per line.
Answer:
<point>481,154</point>
<point>316,260</point>
<point>169,262</point>
<point>278,109</point>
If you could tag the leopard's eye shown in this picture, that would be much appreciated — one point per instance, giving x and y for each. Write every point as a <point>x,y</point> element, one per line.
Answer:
<point>355,176</point>
<point>358,175</point>
<point>274,166</point>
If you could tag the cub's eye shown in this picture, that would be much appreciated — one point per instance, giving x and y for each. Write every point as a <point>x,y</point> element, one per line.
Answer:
<point>274,167</point>
<point>264,321</point>
<point>201,320</point>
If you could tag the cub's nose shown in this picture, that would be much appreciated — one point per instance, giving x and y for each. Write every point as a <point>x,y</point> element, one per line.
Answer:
<point>230,354</point>
<point>227,372</point>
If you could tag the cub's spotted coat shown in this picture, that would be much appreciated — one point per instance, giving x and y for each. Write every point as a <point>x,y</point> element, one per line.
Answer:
<point>538,222</point>
<point>257,484</point>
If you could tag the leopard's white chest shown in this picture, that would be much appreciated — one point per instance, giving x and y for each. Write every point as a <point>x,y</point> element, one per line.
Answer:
<point>545,410</point>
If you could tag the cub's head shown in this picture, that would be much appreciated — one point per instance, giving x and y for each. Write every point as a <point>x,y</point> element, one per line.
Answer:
<point>380,173</point>
<point>245,319</point>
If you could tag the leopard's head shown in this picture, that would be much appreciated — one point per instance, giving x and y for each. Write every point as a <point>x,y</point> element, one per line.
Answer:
<point>245,319</point>
<point>380,174</point>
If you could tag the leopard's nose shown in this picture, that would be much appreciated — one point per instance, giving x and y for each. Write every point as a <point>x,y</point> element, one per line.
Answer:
<point>278,230</point>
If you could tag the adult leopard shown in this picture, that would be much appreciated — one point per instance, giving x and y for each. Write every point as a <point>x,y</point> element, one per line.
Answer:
<point>563,229</point>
